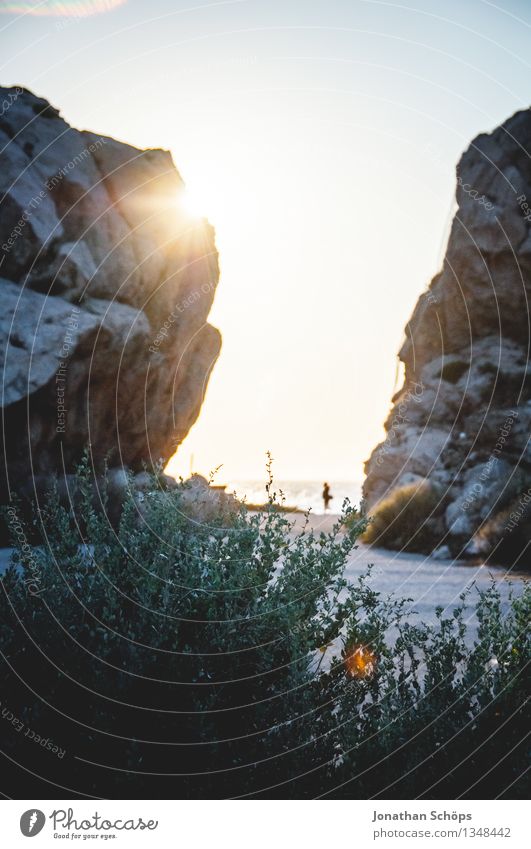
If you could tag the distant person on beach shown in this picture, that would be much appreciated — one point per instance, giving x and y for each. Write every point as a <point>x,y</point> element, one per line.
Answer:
<point>327,495</point>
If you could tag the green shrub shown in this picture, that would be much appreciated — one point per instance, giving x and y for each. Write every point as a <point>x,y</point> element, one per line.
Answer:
<point>171,659</point>
<point>404,519</point>
<point>453,371</point>
<point>506,536</point>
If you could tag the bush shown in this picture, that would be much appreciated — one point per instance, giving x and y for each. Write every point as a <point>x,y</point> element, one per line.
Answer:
<point>506,536</point>
<point>404,519</point>
<point>170,659</point>
<point>453,371</point>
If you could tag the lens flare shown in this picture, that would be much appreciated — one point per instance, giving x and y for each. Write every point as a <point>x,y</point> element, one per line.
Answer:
<point>60,8</point>
<point>360,662</point>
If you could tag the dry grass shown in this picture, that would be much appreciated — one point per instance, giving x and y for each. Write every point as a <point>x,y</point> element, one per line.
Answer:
<point>402,520</point>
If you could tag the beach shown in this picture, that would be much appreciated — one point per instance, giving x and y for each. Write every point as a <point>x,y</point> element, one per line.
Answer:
<point>427,581</point>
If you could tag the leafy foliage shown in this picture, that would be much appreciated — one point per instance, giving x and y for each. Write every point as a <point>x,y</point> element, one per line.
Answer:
<point>173,659</point>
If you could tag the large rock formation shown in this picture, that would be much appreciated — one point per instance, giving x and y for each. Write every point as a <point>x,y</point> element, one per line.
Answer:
<point>106,288</point>
<point>462,420</point>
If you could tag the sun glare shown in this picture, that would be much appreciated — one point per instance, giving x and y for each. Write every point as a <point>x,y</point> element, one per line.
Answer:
<point>205,196</point>
<point>192,203</point>
<point>360,662</point>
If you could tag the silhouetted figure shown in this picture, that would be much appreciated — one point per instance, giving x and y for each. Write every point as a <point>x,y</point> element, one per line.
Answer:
<point>327,495</point>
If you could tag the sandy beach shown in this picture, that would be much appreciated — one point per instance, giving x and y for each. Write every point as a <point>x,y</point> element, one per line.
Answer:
<point>428,582</point>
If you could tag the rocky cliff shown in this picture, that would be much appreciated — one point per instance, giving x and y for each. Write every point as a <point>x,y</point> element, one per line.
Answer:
<point>106,286</point>
<point>460,425</point>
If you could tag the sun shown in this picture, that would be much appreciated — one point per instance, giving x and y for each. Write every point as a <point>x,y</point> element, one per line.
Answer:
<point>206,197</point>
<point>192,203</point>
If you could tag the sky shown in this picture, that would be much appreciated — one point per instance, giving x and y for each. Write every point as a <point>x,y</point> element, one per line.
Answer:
<point>320,138</point>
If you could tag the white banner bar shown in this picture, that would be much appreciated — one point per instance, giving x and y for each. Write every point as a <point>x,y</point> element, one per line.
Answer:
<point>266,824</point>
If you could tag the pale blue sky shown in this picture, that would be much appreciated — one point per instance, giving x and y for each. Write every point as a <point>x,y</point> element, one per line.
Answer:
<point>320,137</point>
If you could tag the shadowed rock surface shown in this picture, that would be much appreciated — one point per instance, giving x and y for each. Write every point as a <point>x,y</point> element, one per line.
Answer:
<point>106,286</point>
<point>462,420</point>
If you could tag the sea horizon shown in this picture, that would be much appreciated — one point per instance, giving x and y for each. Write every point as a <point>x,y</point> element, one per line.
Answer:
<point>298,493</point>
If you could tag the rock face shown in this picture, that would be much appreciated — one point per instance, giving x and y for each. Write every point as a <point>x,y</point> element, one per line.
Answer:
<point>106,286</point>
<point>462,419</point>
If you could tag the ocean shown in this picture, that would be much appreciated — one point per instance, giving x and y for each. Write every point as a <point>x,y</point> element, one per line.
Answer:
<point>300,494</point>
